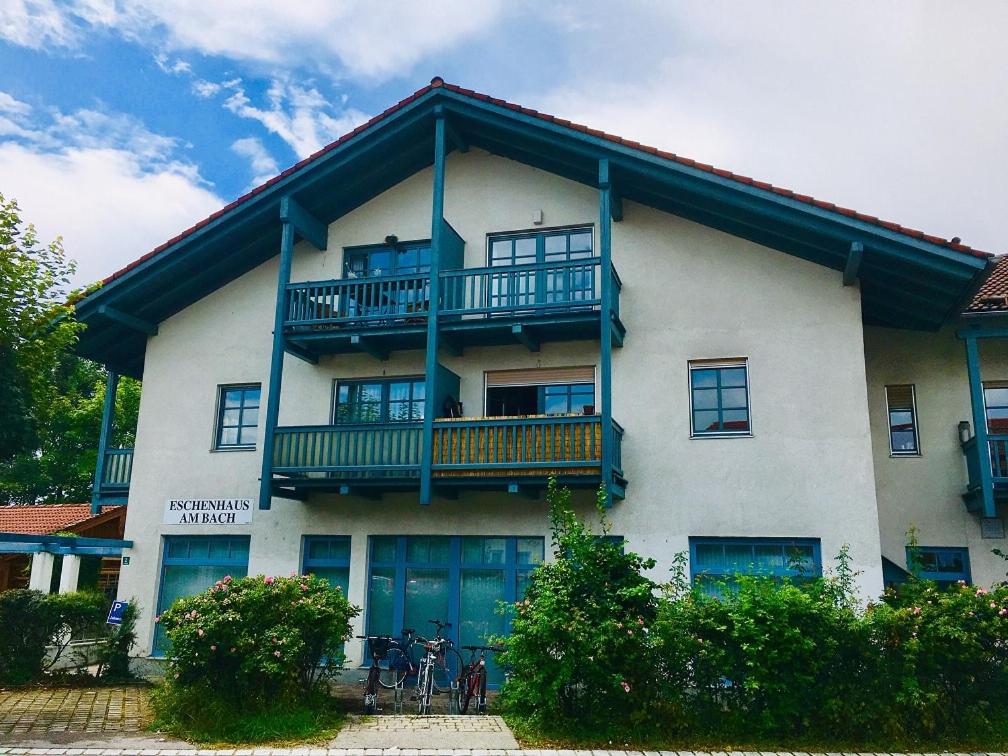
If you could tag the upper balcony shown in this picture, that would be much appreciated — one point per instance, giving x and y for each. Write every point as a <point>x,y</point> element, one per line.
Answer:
<point>117,468</point>
<point>516,304</point>
<point>514,454</point>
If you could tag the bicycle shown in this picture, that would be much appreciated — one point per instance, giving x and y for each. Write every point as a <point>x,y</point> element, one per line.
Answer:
<point>378,647</point>
<point>473,679</point>
<point>434,674</point>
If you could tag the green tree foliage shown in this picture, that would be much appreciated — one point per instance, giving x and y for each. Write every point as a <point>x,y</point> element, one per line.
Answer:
<point>36,324</point>
<point>597,651</point>
<point>51,402</point>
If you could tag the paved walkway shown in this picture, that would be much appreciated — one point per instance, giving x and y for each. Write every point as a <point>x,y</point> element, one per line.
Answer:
<point>395,732</point>
<point>43,711</point>
<point>402,752</point>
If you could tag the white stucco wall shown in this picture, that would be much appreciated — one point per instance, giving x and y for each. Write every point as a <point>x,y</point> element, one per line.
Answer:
<point>689,293</point>
<point>925,492</point>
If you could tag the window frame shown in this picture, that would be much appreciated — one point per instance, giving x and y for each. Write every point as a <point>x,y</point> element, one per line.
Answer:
<point>222,388</point>
<point>783,542</point>
<point>725,363</point>
<point>893,452</point>
<point>944,577</point>
<point>384,403</point>
<point>168,561</point>
<point>369,249</point>
<point>308,562</point>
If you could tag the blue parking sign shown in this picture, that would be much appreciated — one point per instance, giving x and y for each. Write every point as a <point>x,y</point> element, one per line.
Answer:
<point>115,614</point>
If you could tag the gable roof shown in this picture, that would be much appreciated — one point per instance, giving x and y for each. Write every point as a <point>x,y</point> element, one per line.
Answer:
<point>46,519</point>
<point>908,278</point>
<point>993,294</point>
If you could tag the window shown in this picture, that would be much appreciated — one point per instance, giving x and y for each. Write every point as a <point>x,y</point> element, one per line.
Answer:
<point>328,557</point>
<point>540,391</point>
<point>902,406</point>
<point>716,561</point>
<point>944,565</point>
<point>379,401</point>
<point>719,398</point>
<point>557,283</point>
<point>237,417</point>
<point>192,564</point>
<point>458,579</point>
<point>996,404</point>
<point>387,260</point>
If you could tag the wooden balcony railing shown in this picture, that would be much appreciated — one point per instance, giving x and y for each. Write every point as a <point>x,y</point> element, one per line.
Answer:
<point>376,301</point>
<point>117,469</point>
<point>350,451</point>
<point>536,288</point>
<point>470,448</point>
<point>997,455</point>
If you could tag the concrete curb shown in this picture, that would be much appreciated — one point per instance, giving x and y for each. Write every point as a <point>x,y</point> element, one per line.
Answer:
<point>16,751</point>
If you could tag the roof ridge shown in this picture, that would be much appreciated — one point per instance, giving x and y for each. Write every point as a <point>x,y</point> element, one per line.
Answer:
<point>438,82</point>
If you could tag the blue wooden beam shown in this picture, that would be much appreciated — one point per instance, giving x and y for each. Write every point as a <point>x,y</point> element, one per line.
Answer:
<point>606,319</point>
<point>307,226</point>
<point>107,426</point>
<point>982,332</point>
<point>301,353</point>
<point>362,492</point>
<point>455,138</point>
<point>525,338</point>
<point>527,492</point>
<point>276,366</point>
<point>616,211</point>
<point>437,242</point>
<point>130,321</point>
<point>293,494</point>
<point>368,347</point>
<point>852,269</point>
<point>980,427</point>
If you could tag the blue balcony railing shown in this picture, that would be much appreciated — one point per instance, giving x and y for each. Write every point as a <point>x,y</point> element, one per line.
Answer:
<point>465,451</point>
<point>117,469</point>
<point>997,454</point>
<point>366,302</point>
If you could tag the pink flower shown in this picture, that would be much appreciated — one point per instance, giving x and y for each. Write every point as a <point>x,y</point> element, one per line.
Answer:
<point>916,610</point>
<point>1003,613</point>
<point>213,648</point>
<point>227,578</point>
<point>626,685</point>
<point>304,587</point>
<point>993,605</point>
<point>200,632</point>
<point>276,654</point>
<point>268,580</point>
<point>981,592</point>
<point>233,649</point>
<point>157,619</point>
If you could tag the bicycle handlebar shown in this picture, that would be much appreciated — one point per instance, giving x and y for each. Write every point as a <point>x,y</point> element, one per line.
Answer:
<point>440,625</point>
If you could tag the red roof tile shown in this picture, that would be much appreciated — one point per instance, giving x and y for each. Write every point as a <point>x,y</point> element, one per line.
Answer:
<point>993,295</point>
<point>437,82</point>
<point>43,519</point>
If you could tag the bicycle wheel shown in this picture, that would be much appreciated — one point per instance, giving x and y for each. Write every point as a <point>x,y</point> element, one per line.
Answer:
<point>466,686</point>
<point>447,672</point>
<point>371,692</point>
<point>481,702</point>
<point>395,668</point>
<point>425,684</point>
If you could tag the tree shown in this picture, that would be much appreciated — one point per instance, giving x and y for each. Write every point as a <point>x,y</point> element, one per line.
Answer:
<point>51,400</point>
<point>36,325</point>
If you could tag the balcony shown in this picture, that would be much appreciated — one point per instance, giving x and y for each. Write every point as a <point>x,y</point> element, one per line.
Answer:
<point>113,488</point>
<point>997,445</point>
<point>515,454</point>
<point>524,304</point>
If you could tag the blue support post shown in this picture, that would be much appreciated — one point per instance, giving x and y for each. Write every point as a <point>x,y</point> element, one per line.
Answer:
<point>980,425</point>
<point>605,316</point>
<point>107,426</point>
<point>276,360</point>
<point>437,228</point>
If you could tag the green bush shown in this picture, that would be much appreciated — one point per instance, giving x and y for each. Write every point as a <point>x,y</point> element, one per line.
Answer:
<point>112,655</point>
<point>576,648</point>
<point>597,650</point>
<point>31,623</point>
<point>272,639</point>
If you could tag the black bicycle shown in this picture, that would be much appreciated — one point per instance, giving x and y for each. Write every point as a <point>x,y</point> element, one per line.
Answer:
<point>378,649</point>
<point>473,679</point>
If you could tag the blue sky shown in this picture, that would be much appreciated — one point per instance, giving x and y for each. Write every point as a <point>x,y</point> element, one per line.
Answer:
<point>122,123</point>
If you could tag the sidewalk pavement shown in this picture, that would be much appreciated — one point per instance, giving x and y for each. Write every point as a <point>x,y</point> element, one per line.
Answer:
<point>18,751</point>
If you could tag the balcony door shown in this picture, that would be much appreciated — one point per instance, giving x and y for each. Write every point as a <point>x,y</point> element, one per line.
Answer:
<point>409,261</point>
<point>540,391</point>
<point>555,281</point>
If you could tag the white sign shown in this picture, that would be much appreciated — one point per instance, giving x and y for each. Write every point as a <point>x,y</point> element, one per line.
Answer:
<point>208,512</point>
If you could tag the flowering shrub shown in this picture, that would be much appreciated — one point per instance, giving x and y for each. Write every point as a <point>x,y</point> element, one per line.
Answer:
<point>598,648</point>
<point>270,638</point>
<point>576,647</point>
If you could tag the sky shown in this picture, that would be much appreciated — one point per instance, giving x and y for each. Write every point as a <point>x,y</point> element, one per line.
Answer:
<point>123,123</point>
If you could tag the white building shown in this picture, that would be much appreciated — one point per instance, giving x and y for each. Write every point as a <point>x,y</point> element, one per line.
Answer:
<point>369,366</point>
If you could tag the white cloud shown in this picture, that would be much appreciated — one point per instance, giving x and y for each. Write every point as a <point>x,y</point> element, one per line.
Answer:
<point>178,66</point>
<point>299,115</point>
<point>262,163</point>
<point>205,89</point>
<point>112,188</point>
<point>336,36</point>
<point>9,104</point>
